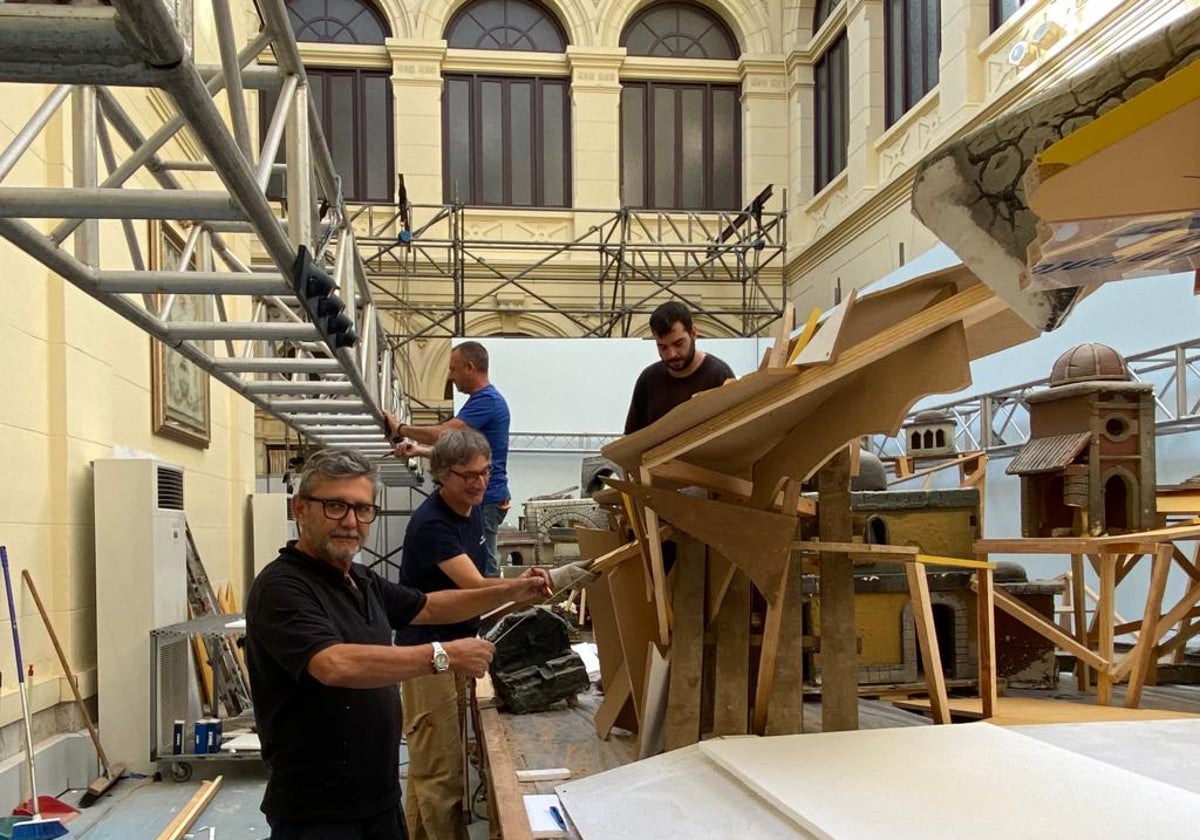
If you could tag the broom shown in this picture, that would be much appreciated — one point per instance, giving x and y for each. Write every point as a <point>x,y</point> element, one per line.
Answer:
<point>112,773</point>
<point>37,827</point>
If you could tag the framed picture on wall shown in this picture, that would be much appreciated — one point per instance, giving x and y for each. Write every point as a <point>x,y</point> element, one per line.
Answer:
<point>179,389</point>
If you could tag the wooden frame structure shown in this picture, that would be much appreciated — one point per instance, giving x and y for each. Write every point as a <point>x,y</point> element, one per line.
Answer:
<point>1112,558</point>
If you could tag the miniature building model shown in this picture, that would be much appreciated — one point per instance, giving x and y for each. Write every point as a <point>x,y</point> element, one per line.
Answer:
<point>930,435</point>
<point>1089,464</point>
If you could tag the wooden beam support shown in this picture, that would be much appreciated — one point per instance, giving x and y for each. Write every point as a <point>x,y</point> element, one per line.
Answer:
<point>1143,654</point>
<point>687,646</point>
<point>935,680</point>
<point>986,622</point>
<point>1034,621</point>
<point>731,688</point>
<point>839,649</point>
<point>195,806</point>
<point>1104,627</point>
<point>772,628</point>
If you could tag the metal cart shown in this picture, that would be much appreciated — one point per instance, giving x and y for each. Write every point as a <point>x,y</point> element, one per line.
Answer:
<point>171,697</point>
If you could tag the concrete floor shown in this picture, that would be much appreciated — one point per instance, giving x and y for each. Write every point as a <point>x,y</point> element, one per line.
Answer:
<point>138,808</point>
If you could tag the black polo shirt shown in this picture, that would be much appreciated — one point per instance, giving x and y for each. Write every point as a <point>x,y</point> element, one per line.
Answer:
<point>435,534</point>
<point>333,753</point>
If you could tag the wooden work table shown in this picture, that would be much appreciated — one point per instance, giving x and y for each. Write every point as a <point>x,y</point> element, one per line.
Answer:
<point>561,737</point>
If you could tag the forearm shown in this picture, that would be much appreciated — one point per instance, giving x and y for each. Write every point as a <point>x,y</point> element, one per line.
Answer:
<point>453,605</point>
<point>427,435</point>
<point>370,666</point>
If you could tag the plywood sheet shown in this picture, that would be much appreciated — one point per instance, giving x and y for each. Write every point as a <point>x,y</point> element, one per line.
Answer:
<point>1023,711</point>
<point>972,780</point>
<point>677,794</point>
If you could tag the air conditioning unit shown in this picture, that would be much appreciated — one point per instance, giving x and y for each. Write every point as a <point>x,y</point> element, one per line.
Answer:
<point>141,584</point>
<point>271,527</point>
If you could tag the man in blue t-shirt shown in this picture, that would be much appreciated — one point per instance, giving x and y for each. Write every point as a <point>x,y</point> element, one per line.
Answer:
<point>486,412</point>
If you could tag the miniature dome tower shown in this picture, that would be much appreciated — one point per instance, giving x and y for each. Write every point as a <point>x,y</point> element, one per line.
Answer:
<point>1088,467</point>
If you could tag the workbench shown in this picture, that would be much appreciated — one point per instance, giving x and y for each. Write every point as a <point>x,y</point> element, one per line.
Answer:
<point>564,736</point>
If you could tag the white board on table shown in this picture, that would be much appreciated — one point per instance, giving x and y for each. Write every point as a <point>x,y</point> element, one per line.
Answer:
<point>973,781</point>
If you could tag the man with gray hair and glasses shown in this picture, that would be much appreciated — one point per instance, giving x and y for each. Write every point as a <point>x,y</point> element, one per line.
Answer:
<point>445,550</point>
<point>323,666</point>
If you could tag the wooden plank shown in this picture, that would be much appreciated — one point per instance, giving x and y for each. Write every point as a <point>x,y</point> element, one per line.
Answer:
<point>1083,679</point>
<point>720,576</point>
<point>1144,653</point>
<point>1034,621</point>
<point>1026,711</point>
<point>985,617</point>
<point>617,697</point>
<point>595,543</point>
<point>935,680</point>
<point>655,696</point>
<point>731,688</point>
<point>865,549</point>
<point>825,346</point>
<point>772,629</point>
<point>633,514</point>
<point>1185,563</point>
<point>802,340</point>
<point>874,400</point>
<point>687,646</point>
<point>636,622</point>
<point>975,302</point>
<point>839,637</point>
<point>783,338</point>
<point>758,542</point>
<point>507,807</point>
<point>785,716</point>
<point>1104,627</point>
<point>195,806</point>
<point>682,474</point>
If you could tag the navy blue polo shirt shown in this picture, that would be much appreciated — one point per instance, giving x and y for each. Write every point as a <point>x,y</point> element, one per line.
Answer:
<point>435,534</point>
<point>333,753</point>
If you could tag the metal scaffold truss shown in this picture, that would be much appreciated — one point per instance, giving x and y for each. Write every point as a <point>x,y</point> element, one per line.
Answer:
<point>240,299</point>
<point>998,422</point>
<point>432,266</point>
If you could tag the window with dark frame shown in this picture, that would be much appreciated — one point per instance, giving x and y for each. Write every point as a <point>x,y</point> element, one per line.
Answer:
<point>913,32</point>
<point>822,12</point>
<point>355,111</point>
<point>1002,10</point>
<point>506,139</point>
<point>354,106</point>
<point>680,141</point>
<point>831,77</point>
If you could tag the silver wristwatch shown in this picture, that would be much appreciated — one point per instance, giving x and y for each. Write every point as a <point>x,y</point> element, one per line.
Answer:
<point>441,660</point>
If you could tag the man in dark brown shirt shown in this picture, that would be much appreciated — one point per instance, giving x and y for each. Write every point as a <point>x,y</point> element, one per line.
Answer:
<point>681,371</point>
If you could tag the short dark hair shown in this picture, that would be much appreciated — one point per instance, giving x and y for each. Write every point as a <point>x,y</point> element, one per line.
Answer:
<point>336,463</point>
<point>455,448</point>
<point>473,352</point>
<point>668,315</point>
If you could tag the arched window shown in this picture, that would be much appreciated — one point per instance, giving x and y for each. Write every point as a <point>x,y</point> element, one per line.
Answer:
<point>916,441</point>
<point>354,105</point>
<point>506,139</point>
<point>939,437</point>
<point>337,22</point>
<point>680,141</point>
<point>928,440</point>
<point>914,44</point>
<point>876,532</point>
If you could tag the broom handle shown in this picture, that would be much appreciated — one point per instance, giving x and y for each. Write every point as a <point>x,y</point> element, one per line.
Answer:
<point>62,658</point>
<point>12,615</point>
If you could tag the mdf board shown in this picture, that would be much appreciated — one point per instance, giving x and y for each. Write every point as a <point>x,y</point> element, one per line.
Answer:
<point>971,780</point>
<point>687,645</point>
<point>677,794</point>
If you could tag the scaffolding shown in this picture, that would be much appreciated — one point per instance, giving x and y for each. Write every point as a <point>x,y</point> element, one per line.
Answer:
<point>284,357</point>
<point>998,422</point>
<point>431,268</point>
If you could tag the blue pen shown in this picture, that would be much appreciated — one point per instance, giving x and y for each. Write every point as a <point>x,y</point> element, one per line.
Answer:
<point>558,817</point>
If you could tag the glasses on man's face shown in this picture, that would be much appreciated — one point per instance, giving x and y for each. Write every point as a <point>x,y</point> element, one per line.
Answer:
<point>472,477</point>
<point>337,509</point>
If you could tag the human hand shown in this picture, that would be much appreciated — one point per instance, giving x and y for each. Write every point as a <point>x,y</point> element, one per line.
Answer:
<point>405,449</point>
<point>469,656</point>
<point>532,585</point>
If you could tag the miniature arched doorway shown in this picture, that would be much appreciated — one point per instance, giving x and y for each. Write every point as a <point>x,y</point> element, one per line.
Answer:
<point>945,618</point>
<point>1119,494</point>
<point>876,531</point>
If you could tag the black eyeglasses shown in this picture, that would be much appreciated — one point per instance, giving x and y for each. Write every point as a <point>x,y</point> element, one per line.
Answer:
<point>337,509</point>
<point>482,475</point>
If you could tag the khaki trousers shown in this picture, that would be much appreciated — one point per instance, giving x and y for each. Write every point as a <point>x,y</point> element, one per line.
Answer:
<point>434,710</point>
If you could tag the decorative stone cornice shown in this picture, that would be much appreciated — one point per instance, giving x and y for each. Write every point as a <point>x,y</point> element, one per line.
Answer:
<point>345,55</point>
<point>595,68</point>
<point>417,62</point>
<point>506,62</point>
<point>645,68</point>
<point>763,75</point>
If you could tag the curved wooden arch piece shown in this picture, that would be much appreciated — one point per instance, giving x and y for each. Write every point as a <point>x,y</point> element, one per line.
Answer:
<point>758,542</point>
<point>873,400</point>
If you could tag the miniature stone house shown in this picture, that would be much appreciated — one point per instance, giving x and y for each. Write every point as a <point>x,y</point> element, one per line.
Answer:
<point>1088,466</point>
<point>943,522</point>
<point>930,435</point>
